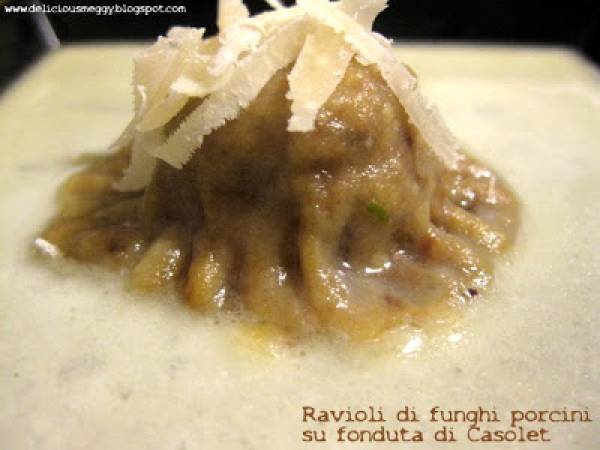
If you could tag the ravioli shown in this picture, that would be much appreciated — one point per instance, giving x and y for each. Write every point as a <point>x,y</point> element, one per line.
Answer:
<point>291,170</point>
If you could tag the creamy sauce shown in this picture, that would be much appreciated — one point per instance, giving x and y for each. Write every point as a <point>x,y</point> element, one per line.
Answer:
<point>89,365</point>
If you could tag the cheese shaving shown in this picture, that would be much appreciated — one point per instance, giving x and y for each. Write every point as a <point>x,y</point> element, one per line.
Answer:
<point>162,111</point>
<point>231,12</point>
<point>195,79</point>
<point>236,41</point>
<point>363,12</point>
<point>319,69</point>
<point>318,38</point>
<point>252,75</point>
<point>157,69</point>
<point>275,4</point>
<point>151,69</point>
<point>403,83</point>
<point>139,173</point>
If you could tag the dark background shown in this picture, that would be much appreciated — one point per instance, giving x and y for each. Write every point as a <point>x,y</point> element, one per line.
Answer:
<point>574,23</point>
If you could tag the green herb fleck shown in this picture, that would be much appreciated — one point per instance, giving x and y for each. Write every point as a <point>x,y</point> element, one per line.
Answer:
<point>378,211</point>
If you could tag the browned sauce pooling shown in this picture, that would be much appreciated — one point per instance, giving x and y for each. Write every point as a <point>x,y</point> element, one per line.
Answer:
<point>353,227</point>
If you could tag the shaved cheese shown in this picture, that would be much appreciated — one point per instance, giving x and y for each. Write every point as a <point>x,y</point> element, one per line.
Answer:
<point>151,68</point>
<point>141,167</point>
<point>275,4</point>
<point>432,127</point>
<point>158,69</point>
<point>363,12</point>
<point>269,21</point>
<point>237,40</point>
<point>228,73</point>
<point>318,71</point>
<point>162,112</point>
<point>231,12</point>
<point>365,44</point>
<point>396,75</point>
<point>195,79</point>
<point>252,75</point>
<point>197,82</point>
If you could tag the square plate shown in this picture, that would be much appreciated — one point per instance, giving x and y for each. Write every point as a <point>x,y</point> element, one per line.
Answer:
<point>85,364</point>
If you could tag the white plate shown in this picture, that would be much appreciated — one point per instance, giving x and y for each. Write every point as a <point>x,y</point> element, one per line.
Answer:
<point>84,365</point>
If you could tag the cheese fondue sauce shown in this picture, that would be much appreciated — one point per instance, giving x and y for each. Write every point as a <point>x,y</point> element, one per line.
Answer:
<point>86,363</point>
